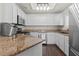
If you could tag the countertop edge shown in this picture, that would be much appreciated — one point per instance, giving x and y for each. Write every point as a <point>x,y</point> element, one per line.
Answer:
<point>26,48</point>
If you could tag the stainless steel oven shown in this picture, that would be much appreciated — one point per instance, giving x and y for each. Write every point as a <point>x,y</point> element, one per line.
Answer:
<point>8,29</point>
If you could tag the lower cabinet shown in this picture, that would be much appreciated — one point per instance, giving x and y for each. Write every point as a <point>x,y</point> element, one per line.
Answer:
<point>35,34</point>
<point>51,38</point>
<point>60,40</point>
<point>66,45</point>
<point>41,35</point>
<point>33,51</point>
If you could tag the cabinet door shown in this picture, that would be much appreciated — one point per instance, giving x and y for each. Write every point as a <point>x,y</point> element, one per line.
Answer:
<point>7,12</point>
<point>19,11</point>
<point>37,34</point>
<point>67,45</point>
<point>25,18</point>
<point>51,38</point>
<point>22,14</point>
<point>63,43</point>
<point>57,39</point>
<point>60,41</point>
<point>1,14</point>
<point>14,13</point>
<point>59,19</point>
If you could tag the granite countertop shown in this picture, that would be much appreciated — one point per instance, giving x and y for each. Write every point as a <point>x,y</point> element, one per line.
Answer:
<point>13,46</point>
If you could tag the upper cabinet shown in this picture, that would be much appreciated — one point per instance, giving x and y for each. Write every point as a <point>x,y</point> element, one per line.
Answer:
<point>1,12</point>
<point>65,15</point>
<point>9,12</point>
<point>44,19</point>
<point>15,7</point>
<point>21,13</point>
<point>6,13</point>
<point>59,19</point>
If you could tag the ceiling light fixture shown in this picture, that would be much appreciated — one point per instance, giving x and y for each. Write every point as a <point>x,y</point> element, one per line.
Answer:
<point>37,8</point>
<point>42,6</point>
<point>47,8</point>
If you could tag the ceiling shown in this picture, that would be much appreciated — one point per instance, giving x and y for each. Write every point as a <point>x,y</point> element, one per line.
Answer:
<point>29,7</point>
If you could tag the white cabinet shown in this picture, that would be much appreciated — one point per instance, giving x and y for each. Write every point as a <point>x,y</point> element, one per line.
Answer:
<point>15,7</point>
<point>21,14</point>
<point>66,45</point>
<point>35,34</point>
<point>19,11</point>
<point>38,34</point>
<point>41,35</point>
<point>59,19</point>
<point>51,38</point>
<point>44,19</point>
<point>1,12</point>
<point>8,13</point>
<point>62,42</point>
<point>33,51</point>
<point>65,15</point>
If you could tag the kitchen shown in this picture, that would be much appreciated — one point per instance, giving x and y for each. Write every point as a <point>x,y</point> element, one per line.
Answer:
<point>37,29</point>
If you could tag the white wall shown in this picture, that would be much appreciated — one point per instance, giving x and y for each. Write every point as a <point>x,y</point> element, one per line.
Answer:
<point>44,19</point>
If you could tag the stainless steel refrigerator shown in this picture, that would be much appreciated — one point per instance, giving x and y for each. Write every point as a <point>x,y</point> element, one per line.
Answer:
<point>73,36</point>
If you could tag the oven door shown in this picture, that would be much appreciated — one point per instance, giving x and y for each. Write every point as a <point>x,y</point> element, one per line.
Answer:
<point>8,29</point>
